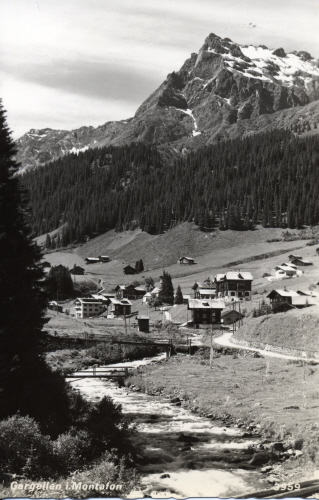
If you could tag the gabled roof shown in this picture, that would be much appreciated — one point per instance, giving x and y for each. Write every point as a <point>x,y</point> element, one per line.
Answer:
<point>231,311</point>
<point>206,304</point>
<point>283,293</point>
<point>234,275</point>
<point>123,302</point>
<point>140,289</point>
<point>302,301</point>
<point>206,291</point>
<point>289,264</point>
<point>155,290</point>
<point>187,258</point>
<point>89,301</point>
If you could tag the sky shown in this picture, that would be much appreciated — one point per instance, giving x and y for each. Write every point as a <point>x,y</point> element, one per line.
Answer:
<point>66,64</point>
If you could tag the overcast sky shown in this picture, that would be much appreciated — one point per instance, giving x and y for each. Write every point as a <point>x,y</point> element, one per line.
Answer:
<point>65,64</point>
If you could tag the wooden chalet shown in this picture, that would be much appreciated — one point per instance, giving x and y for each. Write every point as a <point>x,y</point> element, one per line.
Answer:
<point>77,270</point>
<point>104,258</point>
<point>230,316</point>
<point>92,260</point>
<point>206,313</point>
<point>301,262</point>
<point>129,270</point>
<point>54,306</point>
<point>186,261</point>
<point>292,257</point>
<point>130,292</point>
<point>119,307</point>
<point>234,284</point>
<point>290,297</point>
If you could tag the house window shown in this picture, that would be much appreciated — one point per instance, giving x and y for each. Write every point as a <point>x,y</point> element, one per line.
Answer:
<point>233,294</point>
<point>247,294</point>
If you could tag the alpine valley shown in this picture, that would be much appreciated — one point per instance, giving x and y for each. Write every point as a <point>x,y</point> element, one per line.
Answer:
<point>225,91</point>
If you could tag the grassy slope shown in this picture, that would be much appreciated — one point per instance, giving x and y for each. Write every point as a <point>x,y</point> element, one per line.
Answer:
<point>246,387</point>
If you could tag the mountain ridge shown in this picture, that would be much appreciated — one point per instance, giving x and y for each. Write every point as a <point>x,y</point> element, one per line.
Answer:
<point>210,98</point>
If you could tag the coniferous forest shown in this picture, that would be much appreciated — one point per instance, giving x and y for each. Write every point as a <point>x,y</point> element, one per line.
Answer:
<point>270,179</point>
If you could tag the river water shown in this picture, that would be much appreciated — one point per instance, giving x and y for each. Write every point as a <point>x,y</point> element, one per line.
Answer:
<point>195,456</point>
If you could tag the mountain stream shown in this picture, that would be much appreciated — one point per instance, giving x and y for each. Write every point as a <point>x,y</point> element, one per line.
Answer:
<point>185,455</point>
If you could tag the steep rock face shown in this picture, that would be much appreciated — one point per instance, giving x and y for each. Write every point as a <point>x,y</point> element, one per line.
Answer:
<point>220,87</point>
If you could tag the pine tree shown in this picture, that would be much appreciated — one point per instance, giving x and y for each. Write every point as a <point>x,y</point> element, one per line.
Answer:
<point>179,296</point>
<point>23,302</point>
<point>166,293</point>
<point>48,241</point>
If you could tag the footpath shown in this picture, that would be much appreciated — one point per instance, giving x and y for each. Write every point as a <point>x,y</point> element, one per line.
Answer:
<point>226,340</point>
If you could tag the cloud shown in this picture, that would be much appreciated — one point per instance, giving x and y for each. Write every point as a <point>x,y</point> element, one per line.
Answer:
<point>100,80</point>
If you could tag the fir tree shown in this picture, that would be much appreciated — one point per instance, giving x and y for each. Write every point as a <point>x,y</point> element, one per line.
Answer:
<point>179,296</point>
<point>166,293</point>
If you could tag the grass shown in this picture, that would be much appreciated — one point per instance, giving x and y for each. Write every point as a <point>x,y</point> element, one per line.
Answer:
<point>249,388</point>
<point>297,329</point>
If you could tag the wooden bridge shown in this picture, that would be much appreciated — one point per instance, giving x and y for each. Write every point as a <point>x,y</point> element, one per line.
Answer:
<point>105,372</point>
<point>167,344</point>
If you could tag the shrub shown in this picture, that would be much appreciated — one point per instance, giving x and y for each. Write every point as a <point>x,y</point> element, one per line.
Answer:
<point>23,449</point>
<point>73,449</point>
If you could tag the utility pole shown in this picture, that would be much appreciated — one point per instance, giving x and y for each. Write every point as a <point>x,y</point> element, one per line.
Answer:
<point>211,349</point>
<point>125,322</point>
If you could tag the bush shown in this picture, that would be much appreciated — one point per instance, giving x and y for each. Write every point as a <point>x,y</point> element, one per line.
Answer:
<point>24,449</point>
<point>73,449</point>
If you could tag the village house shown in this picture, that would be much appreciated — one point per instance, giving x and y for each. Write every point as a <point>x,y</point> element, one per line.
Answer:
<point>205,290</point>
<point>206,313</point>
<point>286,270</point>
<point>234,284</point>
<point>230,316</point>
<point>105,301</point>
<point>104,258</point>
<point>153,294</point>
<point>129,270</point>
<point>130,292</point>
<point>282,300</point>
<point>92,260</point>
<point>77,270</point>
<point>186,261</point>
<point>301,262</point>
<point>54,306</point>
<point>292,257</point>
<point>119,307</point>
<point>87,307</point>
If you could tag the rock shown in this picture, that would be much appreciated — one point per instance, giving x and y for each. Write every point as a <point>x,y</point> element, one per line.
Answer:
<point>266,469</point>
<point>175,400</point>
<point>165,476</point>
<point>278,446</point>
<point>187,439</point>
<point>260,458</point>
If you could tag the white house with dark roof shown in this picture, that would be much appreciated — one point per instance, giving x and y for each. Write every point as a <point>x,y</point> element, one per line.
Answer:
<point>86,307</point>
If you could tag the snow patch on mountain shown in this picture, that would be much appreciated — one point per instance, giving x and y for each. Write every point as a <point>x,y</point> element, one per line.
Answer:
<point>189,112</point>
<point>77,151</point>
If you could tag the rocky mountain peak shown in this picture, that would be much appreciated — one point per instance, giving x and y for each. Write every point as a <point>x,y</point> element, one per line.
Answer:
<point>213,95</point>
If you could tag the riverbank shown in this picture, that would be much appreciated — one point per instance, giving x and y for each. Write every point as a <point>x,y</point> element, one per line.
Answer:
<point>274,398</point>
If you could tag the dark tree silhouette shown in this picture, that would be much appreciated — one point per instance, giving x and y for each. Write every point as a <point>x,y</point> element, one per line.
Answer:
<point>179,296</point>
